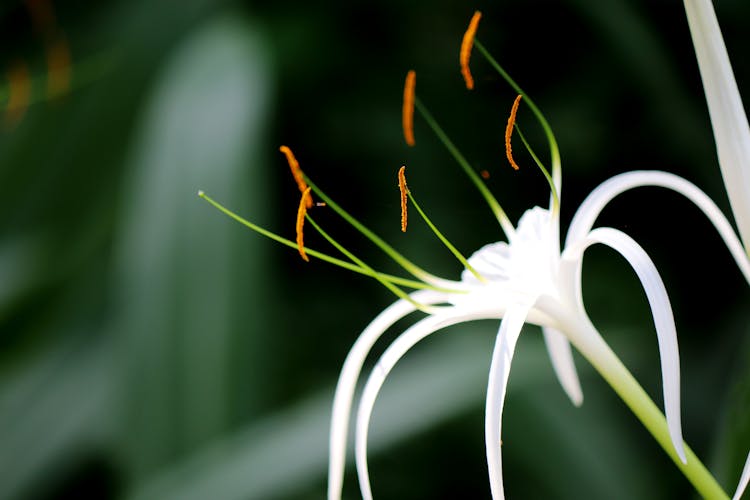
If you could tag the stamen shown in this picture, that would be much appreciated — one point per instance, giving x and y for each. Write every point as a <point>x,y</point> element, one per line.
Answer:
<point>301,212</point>
<point>466,46</point>
<point>553,148</point>
<point>404,190</point>
<point>296,173</point>
<point>497,210</point>
<point>407,111</point>
<point>509,132</point>
<point>395,280</point>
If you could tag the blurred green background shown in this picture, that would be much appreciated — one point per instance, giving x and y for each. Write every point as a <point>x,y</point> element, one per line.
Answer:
<point>151,348</point>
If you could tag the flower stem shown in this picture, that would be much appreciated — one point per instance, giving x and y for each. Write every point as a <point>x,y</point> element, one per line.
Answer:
<point>609,366</point>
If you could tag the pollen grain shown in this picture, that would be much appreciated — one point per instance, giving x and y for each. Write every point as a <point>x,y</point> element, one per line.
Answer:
<point>404,190</point>
<point>466,45</point>
<point>296,173</point>
<point>301,212</point>
<point>509,132</point>
<point>407,111</point>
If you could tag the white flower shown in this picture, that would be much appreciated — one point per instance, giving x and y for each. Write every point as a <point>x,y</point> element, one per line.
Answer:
<point>529,280</point>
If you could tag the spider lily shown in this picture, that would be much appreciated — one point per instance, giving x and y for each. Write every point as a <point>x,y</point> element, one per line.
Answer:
<point>527,279</point>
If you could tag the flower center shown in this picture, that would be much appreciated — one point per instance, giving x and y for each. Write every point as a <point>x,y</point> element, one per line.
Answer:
<point>525,266</point>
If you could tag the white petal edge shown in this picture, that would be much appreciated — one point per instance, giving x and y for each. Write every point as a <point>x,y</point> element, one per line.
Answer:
<point>728,119</point>
<point>497,386</point>
<point>661,311</point>
<point>561,356</point>
<point>589,210</point>
<point>347,382</point>
<point>744,479</point>
<point>385,364</point>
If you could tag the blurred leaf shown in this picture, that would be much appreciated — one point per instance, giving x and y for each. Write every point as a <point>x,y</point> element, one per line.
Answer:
<point>183,269</point>
<point>53,411</point>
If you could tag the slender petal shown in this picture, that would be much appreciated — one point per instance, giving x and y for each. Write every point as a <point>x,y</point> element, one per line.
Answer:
<point>728,118</point>
<point>561,356</point>
<point>744,479</point>
<point>661,311</point>
<point>502,356</point>
<point>594,203</point>
<point>342,401</point>
<point>385,364</point>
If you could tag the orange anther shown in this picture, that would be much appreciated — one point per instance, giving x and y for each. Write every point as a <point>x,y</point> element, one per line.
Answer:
<point>19,92</point>
<point>296,173</point>
<point>404,190</point>
<point>301,212</point>
<point>509,132</point>
<point>466,46</point>
<point>407,111</point>
<point>58,65</point>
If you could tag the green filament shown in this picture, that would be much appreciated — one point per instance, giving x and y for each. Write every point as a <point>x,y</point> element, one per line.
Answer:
<point>554,150</point>
<point>361,264</point>
<point>445,241</point>
<point>553,189</point>
<point>502,218</point>
<point>322,256</point>
<point>409,266</point>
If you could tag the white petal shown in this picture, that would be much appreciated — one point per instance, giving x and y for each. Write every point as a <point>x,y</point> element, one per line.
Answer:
<point>342,401</point>
<point>561,356</point>
<point>661,310</point>
<point>728,118</point>
<point>744,479</point>
<point>589,210</point>
<point>385,364</point>
<point>502,356</point>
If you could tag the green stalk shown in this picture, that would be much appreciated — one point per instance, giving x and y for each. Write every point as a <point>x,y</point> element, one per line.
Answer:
<point>609,366</point>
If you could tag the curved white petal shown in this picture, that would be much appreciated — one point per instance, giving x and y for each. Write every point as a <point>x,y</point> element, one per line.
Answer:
<point>744,479</point>
<point>342,400</point>
<point>385,364</point>
<point>728,119</point>
<point>561,356</point>
<point>661,311</point>
<point>589,210</point>
<point>502,356</point>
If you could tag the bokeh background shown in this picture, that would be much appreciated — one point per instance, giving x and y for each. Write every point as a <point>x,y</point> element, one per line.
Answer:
<point>152,348</point>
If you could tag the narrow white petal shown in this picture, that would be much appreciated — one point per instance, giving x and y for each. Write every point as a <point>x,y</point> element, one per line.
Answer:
<point>744,479</point>
<point>589,210</point>
<point>342,401</point>
<point>561,356</point>
<point>385,364</point>
<point>502,356</point>
<point>661,311</point>
<point>728,118</point>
